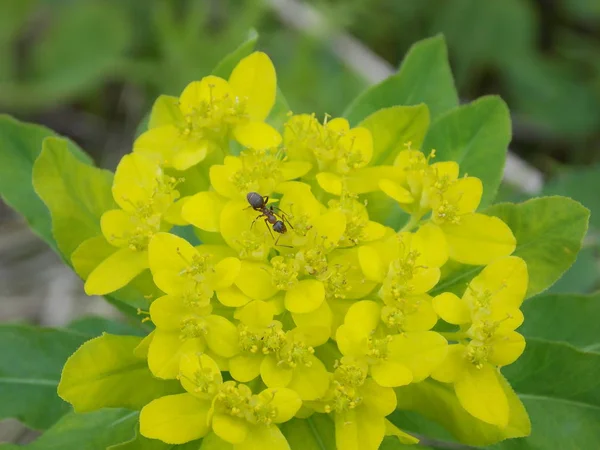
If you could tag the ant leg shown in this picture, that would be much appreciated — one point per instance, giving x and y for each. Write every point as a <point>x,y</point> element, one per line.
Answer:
<point>281,245</point>
<point>254,221</point>
<point>269,228</point>
<point>266,199</point>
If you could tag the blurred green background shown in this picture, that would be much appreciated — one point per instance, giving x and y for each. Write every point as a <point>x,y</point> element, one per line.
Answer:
<point>90,69</point>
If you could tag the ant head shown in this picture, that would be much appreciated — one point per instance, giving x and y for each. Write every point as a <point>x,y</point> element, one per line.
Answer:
<point>255,199</point>
<point>279,227</point>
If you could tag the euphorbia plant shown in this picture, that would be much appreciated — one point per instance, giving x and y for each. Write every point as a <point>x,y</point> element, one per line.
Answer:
<point>302,277</point>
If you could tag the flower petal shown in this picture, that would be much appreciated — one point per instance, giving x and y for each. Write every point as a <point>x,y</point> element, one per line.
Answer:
<point>255,81</point>
<point>116,271</point>
<point>257,314</point>
<point>257,135</point>
<point>451,308</point>
<point>232,297</point>
<point>203,210</point>
<point>190,365</point>
<point>395,191</point>
<point>430,238</point>
<point>221,336</point>
<point>226,271</point>
<point>245,367</point>
<point>286,402</point>
<point>478,239</point>
<point>305,297</point>
<point>166,350</point>
<point>229,428</point>
<point>208,90</point>
<point>480,393</point>
<point>371,264</point>
<point>254,280</point>
<point>273,374</point>
<point>175,419</point>
<point>506,348</point>
<point>330,182</point>
<point>421,351</point>
<point>264,437</point>
<point>310,382</point>
<point>453,366</point>
<point>391,374</point>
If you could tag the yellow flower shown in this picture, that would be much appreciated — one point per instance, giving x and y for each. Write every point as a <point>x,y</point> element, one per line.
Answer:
<point>184,325</point>
<point>211,110</point>
<point>488,313</point>
<point>282,359</point>
<point>393,359</point>
<point>144,194</point>
<point>359,406</point>
<point>331,147</point>
<point>470,237</point>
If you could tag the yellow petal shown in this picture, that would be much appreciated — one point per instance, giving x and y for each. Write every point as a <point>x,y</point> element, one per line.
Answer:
<point>89,254</point>
<point>478,239</point>
<point>310,382</point>
<point>506,348</point>
<point>257,135</point>
<point>453,366</point>
<point>229,428</point>
<point>480,393</point>
<point>286,402</point>
<point>203,210</point>
<point>291,170</point>
<point>275,375</point>
<point>466,193</point>
<point>257,314</point>
<point>320,317</point>
<point>305,297</point>
<point>254,280</point>
<point>208,90</point>
<point>190,365</point>
<point>506,279</point>
<point>371,264</point>
<point>166,350</point>
<point>391,374</point>
<point>423,318</point>
<point>117,226</point>
<point>245,367</point>
<point>159,144</point>
<point>173,214</point>
<point>254,80</point>
<point>165,111</point>
<point>175,419</point>
<point>221,176</point>
<point>448,169</point>
<point>339,125</point>
<point>263,437</point>
<point>363,317</point>
<point>330,182</point>
<point>451,308</point>
<point>350,342</point>
<point>431,240</point>
<point>378,400</point>
<point>395,191</point>
<point>226,271</point>
<point>221,336</point>
<point>232,297</point>
<point>421,351</point>
<point>188,154</point>
<point>330,227</point>
<point>116,271</point>
<point>168,311</point>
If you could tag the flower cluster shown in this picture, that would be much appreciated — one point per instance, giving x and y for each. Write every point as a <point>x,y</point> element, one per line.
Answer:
<point>296,303</point>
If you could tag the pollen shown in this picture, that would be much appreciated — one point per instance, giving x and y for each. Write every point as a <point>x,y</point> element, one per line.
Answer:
<point>446,212</point>
<point>335,280</point>
<point>233,399</point>
<point>261,411</point>
<point>285,272</point>
<point>477,353</point>
<point>296,353</point>
<point>192,327</point>
<point>260,168</point>
<point>356,214</point>
<point>377,348</point>
<point>350,374</point>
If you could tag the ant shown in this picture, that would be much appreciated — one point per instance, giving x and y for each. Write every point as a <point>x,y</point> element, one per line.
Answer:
<point>277,220</point>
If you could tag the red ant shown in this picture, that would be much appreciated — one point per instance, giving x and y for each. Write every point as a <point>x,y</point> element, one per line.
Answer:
<point>277,220</point>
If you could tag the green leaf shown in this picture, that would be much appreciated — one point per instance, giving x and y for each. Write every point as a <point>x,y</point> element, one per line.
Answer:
<point>438,402</point>
<point>549,232</point>
<point>314,433</point>
<point>424,77</point>
<point>104,372</point>
<point>582,277</point>
<point>30,364</point>
<point>91,431</point>
<point>139,442</point>
<point>20,145</point>
<point>565,318</point>
<point>581,184</point>
<point>476,136</point>
<point>96,325</point>
<point>393,127</point>
<point>559,385</point>
<point>226,65</point>
<point>76,194</point>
